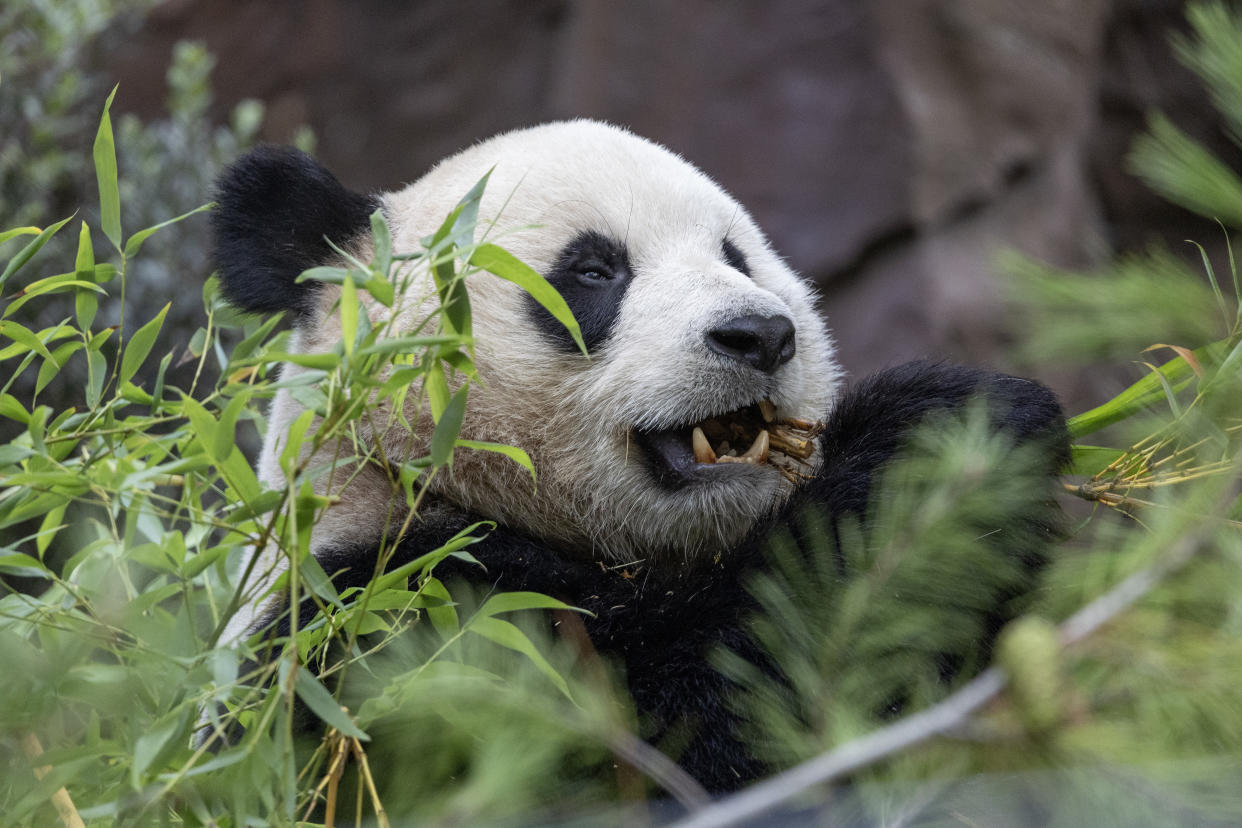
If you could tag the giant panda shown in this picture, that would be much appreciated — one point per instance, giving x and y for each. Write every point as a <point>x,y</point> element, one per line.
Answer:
<point>693,326</point>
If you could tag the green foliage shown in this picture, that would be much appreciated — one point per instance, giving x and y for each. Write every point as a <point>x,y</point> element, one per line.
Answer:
<point>119,657</point>
<point>1136,721</point>
<point>454,707</point>
<point>865,627</point>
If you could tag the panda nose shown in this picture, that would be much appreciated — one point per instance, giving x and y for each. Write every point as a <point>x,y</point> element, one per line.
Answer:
<point>762,342</point>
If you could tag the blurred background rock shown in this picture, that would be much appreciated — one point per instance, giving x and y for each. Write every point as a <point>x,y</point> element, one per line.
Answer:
<point>889,148</point>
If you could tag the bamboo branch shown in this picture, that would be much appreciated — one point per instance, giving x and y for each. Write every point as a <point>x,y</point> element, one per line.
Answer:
<point>61,800</point>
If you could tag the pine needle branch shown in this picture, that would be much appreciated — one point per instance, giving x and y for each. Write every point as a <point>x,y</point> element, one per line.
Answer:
<point>953,712</point>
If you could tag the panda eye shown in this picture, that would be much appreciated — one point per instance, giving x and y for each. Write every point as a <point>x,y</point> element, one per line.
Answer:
<point>734,258</point>
<point>594,273</point>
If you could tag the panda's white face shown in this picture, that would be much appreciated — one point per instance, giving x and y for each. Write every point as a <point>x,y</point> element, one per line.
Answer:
<point>689,318</point>
<point>687,314</point>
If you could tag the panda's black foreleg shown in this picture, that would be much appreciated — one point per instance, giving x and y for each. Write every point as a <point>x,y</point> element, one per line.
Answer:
<point>1001,514</point>
<point>874,420</point>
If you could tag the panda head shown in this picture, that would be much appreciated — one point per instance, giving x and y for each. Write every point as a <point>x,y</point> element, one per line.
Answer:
<point>689,317</point>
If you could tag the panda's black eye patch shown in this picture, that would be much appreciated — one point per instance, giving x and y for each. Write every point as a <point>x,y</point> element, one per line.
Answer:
<point>592,273</point>
<point>734,258</point>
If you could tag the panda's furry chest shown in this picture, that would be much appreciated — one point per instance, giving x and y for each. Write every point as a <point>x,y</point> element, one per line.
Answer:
<point>631,612</point>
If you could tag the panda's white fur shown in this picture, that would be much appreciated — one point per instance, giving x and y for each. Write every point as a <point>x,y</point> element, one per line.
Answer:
<point>688,315</point>
<point>574,415</point>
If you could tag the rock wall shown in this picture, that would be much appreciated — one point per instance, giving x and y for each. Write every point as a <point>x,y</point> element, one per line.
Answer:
<point>889,147</point>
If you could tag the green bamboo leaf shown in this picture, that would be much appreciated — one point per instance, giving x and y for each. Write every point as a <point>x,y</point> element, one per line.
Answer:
<point>135,241</point>
<point>247,346</point>
<point>96,372</point>
<point>515,601</point>
<point>1176,372</point>
<point>437,389</point>
<point>26,253</point>
<point>293,442</point>
<point>1088,461</point>
<point>105,172</point>
<point>382,243</point>
<point>140,345</point>
<point>51,367</point>
<point>202,424</point>
<point>1229,369</point>
<point>239,474</point>
<point>50,527</point>
<point>467,216</point>
<point>11,454</point>
<point>443,617</point>
<point>448,427</point>
<point>23,566</point>
<point>349,315</point>
<point>225,437</point>
<point>399,577</point>
<point>14,410</point>
<point>321,703</point>
<point>502,263</point>
<point>157,391</point>
<point>406,344</point>
<point>85,304</point>
<point>382,289</point>
<point>157,739</point>
<point>59,283</point>
<point>19,231</point>
<point>514,453</point>
<point>506,635</point>
<point>330,275</point>
<point>323,362</point>
<point>23,337</point>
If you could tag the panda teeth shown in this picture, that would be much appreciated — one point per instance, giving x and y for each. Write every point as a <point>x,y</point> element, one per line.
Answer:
<point>756,454</point>
<point>702,449</point>
<point>758,451</point>
<point>768,409</point>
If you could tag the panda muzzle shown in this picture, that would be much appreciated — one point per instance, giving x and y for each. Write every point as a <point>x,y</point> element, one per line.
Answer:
<point>752,435</point>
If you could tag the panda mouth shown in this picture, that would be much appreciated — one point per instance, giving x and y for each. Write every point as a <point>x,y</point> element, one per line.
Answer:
<point>726,443</point>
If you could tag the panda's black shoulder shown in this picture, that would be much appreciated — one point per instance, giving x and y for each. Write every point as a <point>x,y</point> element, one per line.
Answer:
<point>276,210</point>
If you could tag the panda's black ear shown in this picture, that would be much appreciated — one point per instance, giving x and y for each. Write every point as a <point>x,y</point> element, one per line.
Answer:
<point>276,208</point>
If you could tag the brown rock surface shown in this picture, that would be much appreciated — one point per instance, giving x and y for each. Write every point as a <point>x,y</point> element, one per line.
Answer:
<point>890,148</point>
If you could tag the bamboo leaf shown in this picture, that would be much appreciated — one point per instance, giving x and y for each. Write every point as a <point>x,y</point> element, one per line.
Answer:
<point>224,439</point>
<point>156,740</point>
<point>514,453</point>
<point>135,241</point>
<point>437,389</point>
<point>96,372</point>
<point>19,231</point>
<point>23,566</point>
<point>1176,372</point>
<point>321,703</point>
<point>448,427</point>
<point>85,303</point>
<point>105,173</point>
<point>140,345</point>
<point>502,263</point>
<point>349,315</point>
<point>443,617</point>
<point>26,253</point>
<point>507,635</point>
<point>24,337</point>
<point>407,344</point>
<point>516,601</point>
<point>382,243</point>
